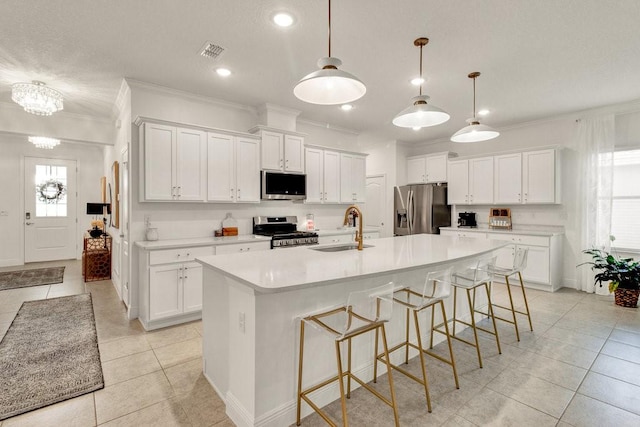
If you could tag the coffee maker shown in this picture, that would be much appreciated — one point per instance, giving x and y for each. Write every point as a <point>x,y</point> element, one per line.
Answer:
<point>467,219</point>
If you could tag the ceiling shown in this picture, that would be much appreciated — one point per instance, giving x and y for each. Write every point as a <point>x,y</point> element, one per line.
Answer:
<point>538,58</point>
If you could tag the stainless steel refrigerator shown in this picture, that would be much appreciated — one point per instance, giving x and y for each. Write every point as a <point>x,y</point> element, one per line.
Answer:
<point>420,208</point>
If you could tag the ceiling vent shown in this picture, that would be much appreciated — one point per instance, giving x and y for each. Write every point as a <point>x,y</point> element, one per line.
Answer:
<point>210,50</point>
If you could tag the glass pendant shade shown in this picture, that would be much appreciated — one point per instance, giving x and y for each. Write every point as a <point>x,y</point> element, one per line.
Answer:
<point>36,98</point>
<point>475,132</point>
<point>329,85</point>
<point>420,114</point>
<point>44,142</point>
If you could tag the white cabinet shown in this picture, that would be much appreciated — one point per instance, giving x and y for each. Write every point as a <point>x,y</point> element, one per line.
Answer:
<point>323,175</point>
<point>233,163</point>
<point>471,181</point>
<point>242,247</point>
<point>352,178</point>
<point>175,289</point>
<point>281,151</point>
<point>463,233</point>
<point>427,168</point>
<point>508,178</point>
<point>540,180</point>
<point>174,166</point>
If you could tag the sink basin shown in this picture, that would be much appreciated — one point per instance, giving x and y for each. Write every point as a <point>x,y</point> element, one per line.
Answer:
<point>339,248</point>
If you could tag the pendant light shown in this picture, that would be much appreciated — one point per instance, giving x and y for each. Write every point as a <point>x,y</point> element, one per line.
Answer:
<point>475,132</point>
<point>329,85</point>
<point>420,114</point>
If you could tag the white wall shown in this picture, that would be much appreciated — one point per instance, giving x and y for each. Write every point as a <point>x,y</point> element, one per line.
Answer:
<point>13,149</point>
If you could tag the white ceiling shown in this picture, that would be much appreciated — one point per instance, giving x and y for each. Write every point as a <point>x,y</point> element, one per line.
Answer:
<point>538,58</point>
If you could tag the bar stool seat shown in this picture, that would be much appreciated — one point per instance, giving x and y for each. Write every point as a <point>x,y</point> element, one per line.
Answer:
<point>365,311</point>
<point>470,279</point>
<point>436,288</point>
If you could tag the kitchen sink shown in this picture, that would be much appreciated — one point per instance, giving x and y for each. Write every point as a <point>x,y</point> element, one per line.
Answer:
<point>339,248</point>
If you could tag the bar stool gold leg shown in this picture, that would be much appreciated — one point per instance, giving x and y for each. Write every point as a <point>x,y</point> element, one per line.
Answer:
<point>394,404</point>
<point>473,324</point>
<point>433,319</point>
<point>526,304</point>
<point>446,328</point>
<point>375,359</point>
<point>455,307</point>
<point>349,369</point>
<point>422,365</point>
<point>343,400</point>
<point>300,374</point>
<point>406,338</point>
<point>513,309</point>
<point>493,318</point>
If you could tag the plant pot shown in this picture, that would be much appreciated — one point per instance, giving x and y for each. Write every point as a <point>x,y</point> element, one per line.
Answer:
<point>627,297</point>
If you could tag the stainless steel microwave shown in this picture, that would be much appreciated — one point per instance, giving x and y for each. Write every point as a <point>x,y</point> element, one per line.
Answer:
<point>283,186</point>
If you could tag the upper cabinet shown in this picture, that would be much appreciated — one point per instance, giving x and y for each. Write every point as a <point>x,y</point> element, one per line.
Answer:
<point>529,177</point>
<point>323,175</point>
<point>281,151</point>
<point>352,178</point>
<point>508,178</point>
<point>471,181</point>
<point>174,163</point>
<point>426,169</point>
<point>234,168</point>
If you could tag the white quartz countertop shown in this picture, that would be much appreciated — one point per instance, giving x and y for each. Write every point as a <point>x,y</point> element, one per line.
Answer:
<point>523,232</point>
<point>293,268</point>
<point>341,231</point>
<point>199,241</point>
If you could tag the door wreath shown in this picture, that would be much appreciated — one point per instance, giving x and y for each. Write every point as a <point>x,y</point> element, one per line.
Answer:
<point>51,191</point>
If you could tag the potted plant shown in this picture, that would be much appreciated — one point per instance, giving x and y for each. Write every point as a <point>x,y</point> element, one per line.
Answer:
<point>623,275</point>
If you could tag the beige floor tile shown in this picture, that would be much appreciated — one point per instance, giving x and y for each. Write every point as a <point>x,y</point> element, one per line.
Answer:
<point>171,335</point>
<point>7,317</point>
<point>457,421</point>
<point>585,327</point>
<point>622,351</point>
<point>532,391</point>
<point>558,350</point>
<point>78,412</point>
<point>617,368</point>
<point>614,392</point>
<point>489,408</point>
<point>202,405</point>
<point>629,323</point>
<point>123,347</point>
<point>4,327</point>
<point>588,342</point>
<point>129,367</point>
<point>10,306</point>
<point>185,376</point>
<point>587,412</point>
<point>626,337</point>
<point>165,413</point>
<point>554,371</point>
<point>130,396</point>
<point>180,352</point>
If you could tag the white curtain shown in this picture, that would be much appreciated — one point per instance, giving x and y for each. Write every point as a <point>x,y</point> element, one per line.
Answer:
<point>596,144</point>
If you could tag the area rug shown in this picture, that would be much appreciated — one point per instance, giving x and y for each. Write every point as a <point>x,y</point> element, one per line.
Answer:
<point>33,277</point>
<point>49,354</point>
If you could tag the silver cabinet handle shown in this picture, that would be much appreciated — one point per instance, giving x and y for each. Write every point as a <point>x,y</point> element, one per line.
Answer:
<point>29,223</point>
<point>238,194</point>
<point>231,193</point>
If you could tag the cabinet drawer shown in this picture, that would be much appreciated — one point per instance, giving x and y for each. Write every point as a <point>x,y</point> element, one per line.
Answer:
<point>242,247</point>
<point>520,239</point>
<point>179,255</point>
<point>471,234</point>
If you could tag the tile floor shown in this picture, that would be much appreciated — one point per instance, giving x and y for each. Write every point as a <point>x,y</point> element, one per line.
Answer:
<point>580,367</point>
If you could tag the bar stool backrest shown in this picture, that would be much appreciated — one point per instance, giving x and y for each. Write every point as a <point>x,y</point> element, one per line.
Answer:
<point>484,270</point>
<point>368,306</point>
<point>520,258</point>
<point>437,285</point>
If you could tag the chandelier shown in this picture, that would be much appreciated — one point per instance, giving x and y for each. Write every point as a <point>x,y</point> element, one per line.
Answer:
<point>37,98</point>
<point>44,142</point>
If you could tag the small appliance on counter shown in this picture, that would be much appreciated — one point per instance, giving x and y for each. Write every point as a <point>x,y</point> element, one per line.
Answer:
<point>467,219</point>
<point>283,231</point>
<point>500,218</point>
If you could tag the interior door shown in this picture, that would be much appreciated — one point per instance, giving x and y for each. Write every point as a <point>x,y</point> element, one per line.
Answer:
<point>49,209</point>
<point>376,209</point>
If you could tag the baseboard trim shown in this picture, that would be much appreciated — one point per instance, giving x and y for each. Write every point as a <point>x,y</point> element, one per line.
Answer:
<point>11,263</point>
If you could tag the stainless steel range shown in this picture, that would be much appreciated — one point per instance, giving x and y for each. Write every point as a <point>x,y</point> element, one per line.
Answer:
<point>282,230</point>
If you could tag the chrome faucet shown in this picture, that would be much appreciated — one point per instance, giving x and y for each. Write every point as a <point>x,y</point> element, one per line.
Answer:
<point>359,231</point>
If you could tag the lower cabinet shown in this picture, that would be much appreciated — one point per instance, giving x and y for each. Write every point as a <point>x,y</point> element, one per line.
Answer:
<point>346,238</point>
<point>174,289</point>
<point>242,247</point>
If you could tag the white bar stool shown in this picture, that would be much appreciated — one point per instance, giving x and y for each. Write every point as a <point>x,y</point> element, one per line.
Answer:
<point>436,288</point>
<point>470,279</point>
<point>365,311</point>
<point>519,264</point>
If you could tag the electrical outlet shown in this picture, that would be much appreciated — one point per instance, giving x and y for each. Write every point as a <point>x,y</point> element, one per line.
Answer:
<point>241,321</point>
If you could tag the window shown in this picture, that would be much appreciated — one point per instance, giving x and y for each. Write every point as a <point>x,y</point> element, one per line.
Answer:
<point>625,210</point>
<point>50,191</point>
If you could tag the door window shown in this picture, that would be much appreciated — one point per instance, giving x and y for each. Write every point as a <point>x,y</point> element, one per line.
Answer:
<point>50,191</point>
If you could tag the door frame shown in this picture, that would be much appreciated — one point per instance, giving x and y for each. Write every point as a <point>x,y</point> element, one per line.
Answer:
<point>387,228</point>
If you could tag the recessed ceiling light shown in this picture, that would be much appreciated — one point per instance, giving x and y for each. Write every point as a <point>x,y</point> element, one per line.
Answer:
<point>417,128</point>
<point>483,112</point>
<point>223,72</point>
<point>283,19</point>
<point>417,81</point>
<point>347,107</point>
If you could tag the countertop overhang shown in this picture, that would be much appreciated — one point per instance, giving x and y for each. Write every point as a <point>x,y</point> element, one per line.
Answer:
<point>295,268</point>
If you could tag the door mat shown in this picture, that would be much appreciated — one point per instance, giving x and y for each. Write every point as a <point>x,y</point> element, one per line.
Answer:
<point>49,354</point>
<point>33,277</point>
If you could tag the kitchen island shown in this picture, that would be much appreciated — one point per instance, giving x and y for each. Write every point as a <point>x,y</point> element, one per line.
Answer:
<point>251,303</point>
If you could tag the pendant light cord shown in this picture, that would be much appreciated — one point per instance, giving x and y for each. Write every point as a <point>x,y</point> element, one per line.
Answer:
<point>421,81</point>
<point>474,97</point>
<point>329,28</point>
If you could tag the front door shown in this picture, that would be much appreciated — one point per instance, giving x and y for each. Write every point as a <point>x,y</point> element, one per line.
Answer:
<point>49,209</point>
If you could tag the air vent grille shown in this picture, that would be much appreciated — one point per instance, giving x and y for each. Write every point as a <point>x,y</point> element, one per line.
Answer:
<point>210,50</point>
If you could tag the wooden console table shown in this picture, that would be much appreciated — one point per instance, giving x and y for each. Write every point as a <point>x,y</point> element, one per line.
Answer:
<point>96,258</point>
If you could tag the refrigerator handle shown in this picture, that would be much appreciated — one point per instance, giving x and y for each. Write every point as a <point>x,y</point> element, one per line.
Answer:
<point>410,211</point>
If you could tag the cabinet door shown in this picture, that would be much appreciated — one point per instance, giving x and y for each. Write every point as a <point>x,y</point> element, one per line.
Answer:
<point>504,258</point>
<point>247,170</point>
<point>221,168</point>
<point>191,172</point>
<point>331,179</point>
<point>159,162</point>
<point>192,287</point>
<point>346,189</point>
<point>537,269</point>
<point>314,164</point>
<point>293,153</point>
<point>458,187</point>
<point>539,177</point>
<point>165,291</point>
<point>358,178</point>
<point>272,150</point>
<point>416,168</point>
<point>481,181</point>
<point>436,168</point>
<point>508,178</point>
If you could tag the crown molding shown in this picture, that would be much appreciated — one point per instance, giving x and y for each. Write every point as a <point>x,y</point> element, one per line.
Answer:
<point>328,126</point>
